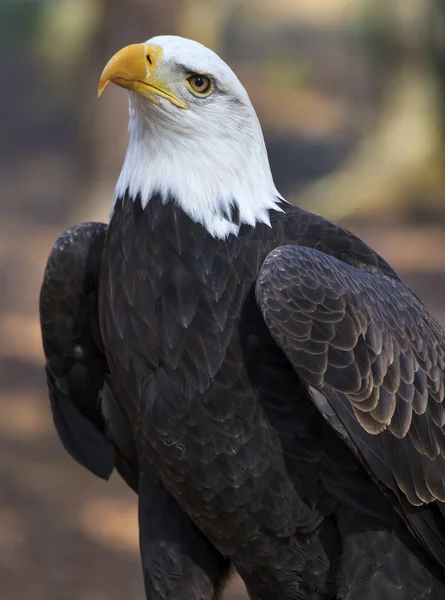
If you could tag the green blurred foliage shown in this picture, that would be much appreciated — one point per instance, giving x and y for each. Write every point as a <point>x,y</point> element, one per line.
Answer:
<point>18,21</point>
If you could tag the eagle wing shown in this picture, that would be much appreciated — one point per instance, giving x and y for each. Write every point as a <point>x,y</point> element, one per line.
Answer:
<point>75,363</point>
<point>373,357</point>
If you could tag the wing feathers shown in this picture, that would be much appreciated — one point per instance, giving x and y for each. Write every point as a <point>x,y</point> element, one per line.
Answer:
<point>80,437</point>
<point>366,336</point>
<point>75,366</point>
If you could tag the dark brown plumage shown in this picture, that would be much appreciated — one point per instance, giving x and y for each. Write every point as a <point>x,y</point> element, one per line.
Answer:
<point>368,338</point>
<point>282,387</point>
<point>235,431</point>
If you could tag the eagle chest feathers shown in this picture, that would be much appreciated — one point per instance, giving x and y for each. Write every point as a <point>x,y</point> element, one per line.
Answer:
<point>171,315</point>
<point>175,293</point>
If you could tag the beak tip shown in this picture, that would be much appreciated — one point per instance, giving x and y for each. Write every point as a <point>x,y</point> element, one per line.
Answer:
<point>101,88</point>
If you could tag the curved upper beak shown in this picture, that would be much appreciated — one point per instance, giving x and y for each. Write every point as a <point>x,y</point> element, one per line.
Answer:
<point>137,68</point>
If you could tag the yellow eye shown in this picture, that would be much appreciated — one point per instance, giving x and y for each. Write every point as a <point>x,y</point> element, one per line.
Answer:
<point>200,84</point>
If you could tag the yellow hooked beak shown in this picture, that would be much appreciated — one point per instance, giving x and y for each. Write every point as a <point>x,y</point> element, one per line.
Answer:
<point>136,68</point>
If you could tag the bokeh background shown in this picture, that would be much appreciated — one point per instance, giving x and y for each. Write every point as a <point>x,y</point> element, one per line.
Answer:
<point>351,95</point>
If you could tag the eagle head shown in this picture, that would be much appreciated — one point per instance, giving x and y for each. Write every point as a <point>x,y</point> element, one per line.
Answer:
<point>194,135</point>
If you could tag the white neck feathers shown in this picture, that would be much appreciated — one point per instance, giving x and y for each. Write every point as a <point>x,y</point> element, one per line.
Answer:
<point>210,171</point>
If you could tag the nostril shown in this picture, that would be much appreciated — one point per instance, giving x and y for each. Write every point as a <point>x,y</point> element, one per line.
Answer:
<point>149,59</point>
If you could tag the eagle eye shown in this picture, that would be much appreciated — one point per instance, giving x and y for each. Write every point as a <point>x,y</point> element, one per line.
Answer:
<point>201,85</point>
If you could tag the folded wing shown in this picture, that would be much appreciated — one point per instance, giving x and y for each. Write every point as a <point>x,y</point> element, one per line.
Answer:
<point>374,352</point>
<point>75,364</point>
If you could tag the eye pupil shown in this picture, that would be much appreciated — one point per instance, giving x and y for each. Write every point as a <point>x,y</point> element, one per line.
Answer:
<point>199,82</point>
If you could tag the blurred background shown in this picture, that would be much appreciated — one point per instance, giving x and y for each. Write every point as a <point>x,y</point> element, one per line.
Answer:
<point>351,96</point>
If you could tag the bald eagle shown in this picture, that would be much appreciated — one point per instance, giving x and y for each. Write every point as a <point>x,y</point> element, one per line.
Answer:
<point>272,385</point>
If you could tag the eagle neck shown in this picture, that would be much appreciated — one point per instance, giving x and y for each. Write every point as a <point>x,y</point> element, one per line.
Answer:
<point>210,177</point>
